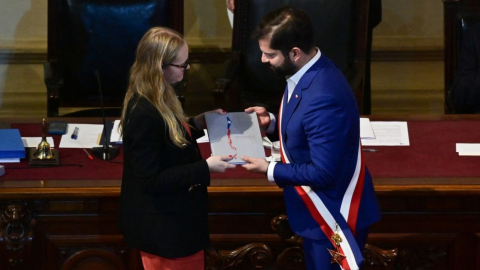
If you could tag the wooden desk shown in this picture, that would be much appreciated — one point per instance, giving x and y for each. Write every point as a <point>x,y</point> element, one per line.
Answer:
<point>70,224</point>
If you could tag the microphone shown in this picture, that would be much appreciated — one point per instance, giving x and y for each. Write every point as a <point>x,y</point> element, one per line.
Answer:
<point>105,152</point>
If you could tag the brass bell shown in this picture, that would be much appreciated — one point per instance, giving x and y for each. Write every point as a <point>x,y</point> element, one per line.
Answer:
<point>43,150</point>
<point>43,155</point>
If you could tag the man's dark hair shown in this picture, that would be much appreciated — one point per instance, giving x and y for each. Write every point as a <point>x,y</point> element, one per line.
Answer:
<point>287,27</point>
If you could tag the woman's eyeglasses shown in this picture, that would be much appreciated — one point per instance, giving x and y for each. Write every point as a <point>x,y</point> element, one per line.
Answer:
<point>184,65</point>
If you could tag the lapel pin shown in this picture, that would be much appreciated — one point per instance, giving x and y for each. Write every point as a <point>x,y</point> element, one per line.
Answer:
<point>296,96</point>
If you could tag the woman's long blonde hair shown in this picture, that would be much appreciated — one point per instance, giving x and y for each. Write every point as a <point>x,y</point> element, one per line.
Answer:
<point>157,47</point>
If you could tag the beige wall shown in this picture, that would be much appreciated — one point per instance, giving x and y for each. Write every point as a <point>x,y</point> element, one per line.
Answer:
<point>406,25</point>
<point>23,25</point>
<point>410,25</point>
<point>207,24</point>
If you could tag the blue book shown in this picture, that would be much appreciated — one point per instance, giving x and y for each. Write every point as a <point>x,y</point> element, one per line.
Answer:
<point>11,145</point>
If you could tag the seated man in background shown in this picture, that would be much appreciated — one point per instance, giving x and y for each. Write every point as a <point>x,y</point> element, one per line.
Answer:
<point>466,87</point>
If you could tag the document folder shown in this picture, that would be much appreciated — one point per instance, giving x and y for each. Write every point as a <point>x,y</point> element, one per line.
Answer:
<point>11,144</point>
<point>235,134</point>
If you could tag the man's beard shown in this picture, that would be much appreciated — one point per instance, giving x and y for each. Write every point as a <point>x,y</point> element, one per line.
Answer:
<point>285,69</point>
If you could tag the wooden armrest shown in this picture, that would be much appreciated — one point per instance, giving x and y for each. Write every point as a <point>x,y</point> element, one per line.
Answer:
<point>292,257</point>
<point>251,256</point>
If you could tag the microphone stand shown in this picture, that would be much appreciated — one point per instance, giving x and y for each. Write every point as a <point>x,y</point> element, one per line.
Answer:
<point>105,152</point>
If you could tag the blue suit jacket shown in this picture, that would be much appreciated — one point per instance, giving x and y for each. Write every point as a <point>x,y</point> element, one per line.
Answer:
<point>321,133</point>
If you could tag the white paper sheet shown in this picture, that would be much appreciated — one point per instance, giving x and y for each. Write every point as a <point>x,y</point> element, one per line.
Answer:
<point>9,160</point>
<point>88,136</point>
<point>34,141</point>
<point>468,149</point>
<point>204,138</point>
<point>115,136</point>
<point>366,131</point>
<point>388,134</point>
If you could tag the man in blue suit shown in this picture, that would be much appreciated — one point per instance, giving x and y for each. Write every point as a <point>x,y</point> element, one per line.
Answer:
<point>328,191</point>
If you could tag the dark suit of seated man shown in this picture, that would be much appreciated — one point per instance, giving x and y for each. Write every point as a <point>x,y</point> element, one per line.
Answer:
<point>466,87</point>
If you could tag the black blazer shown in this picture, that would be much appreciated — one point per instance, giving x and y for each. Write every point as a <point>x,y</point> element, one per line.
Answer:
<point>163,201</point>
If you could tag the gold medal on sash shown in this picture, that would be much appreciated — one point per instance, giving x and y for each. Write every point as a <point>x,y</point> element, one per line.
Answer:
<point>337,256</point>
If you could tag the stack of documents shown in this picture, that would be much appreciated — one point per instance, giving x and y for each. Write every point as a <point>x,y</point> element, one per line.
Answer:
<point>11,146</point>
<point>468,149</point>
<point>366,131</point>
<point>115,136</point>
<point>377,133</point>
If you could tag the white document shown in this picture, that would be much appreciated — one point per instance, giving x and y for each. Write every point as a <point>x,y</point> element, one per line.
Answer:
<point>204,138</point>
<point>235,134</point>
<point>366,131</point>
<point>9,160</point>
<point>115,136</point>
<point>468,149</point>
<point>87,137</point>
<point>35,141</point>
<point>388,134</point>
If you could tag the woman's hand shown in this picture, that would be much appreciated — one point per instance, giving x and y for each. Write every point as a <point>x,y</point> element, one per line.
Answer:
<point>219,163</point>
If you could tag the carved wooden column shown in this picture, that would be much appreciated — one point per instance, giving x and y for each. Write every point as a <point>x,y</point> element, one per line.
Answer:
<point>16,234</point>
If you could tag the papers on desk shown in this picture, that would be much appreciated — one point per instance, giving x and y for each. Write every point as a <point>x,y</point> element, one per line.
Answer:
<point>387,134</point>
<point>35,141</point>
<point>366,131</point>
<point>468,149</point>
<point>204,138</point>
<point>9,160</point>
<point>88,136</point>
<point>115,136</point>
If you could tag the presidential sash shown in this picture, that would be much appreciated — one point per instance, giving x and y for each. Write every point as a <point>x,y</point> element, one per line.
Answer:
<point>338,226</point>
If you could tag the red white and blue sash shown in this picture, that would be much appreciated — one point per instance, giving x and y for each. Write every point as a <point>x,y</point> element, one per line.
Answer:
<point>324,212</point>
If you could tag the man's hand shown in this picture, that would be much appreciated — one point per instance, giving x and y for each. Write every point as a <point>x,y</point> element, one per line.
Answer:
<point>258,165</point>
<point>262,115</point>
<point>200,121</point>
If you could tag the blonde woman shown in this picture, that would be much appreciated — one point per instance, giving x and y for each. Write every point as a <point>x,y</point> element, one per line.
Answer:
<point>163,203</point>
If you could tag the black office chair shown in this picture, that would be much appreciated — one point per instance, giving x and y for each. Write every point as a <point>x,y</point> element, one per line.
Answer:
<point>340,27</point>
<point>459,16</point>
<point>86,37</point>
